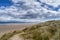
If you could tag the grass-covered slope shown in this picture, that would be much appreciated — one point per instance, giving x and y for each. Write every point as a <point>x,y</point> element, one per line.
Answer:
<point>49,30</point>
<point>7,36</point>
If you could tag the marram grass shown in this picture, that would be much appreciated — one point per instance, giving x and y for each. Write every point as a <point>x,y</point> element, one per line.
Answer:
<point>44,31</point>
<point>49,30</point>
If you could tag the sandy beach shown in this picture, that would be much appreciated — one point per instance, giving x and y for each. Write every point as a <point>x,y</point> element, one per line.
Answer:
<point>11,27</point>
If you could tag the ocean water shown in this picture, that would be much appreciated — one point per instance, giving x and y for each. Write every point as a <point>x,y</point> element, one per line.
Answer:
<point>6,23</point>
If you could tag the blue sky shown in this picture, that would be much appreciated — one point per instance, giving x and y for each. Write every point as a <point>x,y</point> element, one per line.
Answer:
<point>6,3</point>
<point>29,10</point>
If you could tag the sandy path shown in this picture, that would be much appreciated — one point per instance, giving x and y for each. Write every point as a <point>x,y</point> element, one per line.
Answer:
<point>9,28</point>
<point>16,37</point>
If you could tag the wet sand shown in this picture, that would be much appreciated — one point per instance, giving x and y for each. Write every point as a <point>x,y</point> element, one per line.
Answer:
<point>11,27</point>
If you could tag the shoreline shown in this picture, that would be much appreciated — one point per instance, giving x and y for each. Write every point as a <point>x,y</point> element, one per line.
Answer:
<point>16,23</point>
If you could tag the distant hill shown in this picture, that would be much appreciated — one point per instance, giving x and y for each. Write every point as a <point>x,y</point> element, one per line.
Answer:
<point>49,30</point>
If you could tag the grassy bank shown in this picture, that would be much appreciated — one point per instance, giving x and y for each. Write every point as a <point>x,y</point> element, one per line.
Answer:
<point>49,30</point>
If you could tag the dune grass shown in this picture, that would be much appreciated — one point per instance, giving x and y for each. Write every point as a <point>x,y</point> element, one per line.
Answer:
<point>49,30</point>
<point>9,35</point>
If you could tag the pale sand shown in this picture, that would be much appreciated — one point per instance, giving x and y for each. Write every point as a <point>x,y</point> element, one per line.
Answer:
<point>11,27</point>
<point>16,37</point>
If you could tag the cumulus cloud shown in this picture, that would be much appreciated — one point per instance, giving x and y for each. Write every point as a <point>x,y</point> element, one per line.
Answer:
<point>54,3</point>
<point>27,11</point>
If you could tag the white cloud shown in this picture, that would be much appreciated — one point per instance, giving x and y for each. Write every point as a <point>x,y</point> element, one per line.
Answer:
<point>54,3</point>
<point>14,13</point>
<point>5,18</point>
<point>15,1</point>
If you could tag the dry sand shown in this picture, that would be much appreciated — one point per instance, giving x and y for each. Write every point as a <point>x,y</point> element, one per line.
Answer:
<point>11,27</point>
<point>16,37</point>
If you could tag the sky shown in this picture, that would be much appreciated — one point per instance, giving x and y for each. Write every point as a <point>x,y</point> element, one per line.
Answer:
<point>5,3</point>
<point>29,10</point>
